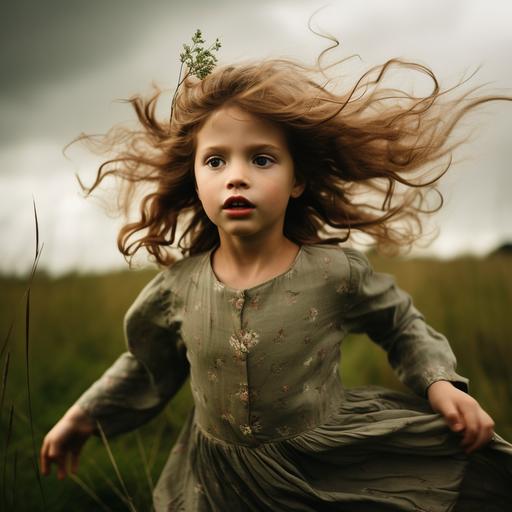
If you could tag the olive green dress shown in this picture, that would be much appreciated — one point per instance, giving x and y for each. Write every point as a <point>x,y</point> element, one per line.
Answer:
<point>272,428</point>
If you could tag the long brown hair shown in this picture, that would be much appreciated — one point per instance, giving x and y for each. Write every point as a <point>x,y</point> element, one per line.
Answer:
<point>369,155</point>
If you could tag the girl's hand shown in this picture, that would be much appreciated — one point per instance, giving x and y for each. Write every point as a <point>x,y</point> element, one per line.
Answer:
<point>66,439</point>
<point>462,413</point>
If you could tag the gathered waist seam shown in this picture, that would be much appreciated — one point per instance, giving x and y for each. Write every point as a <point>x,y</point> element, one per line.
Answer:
<point>271,441</point>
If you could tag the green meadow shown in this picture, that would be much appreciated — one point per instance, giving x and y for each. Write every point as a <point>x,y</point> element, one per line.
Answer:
<point>75,333</point>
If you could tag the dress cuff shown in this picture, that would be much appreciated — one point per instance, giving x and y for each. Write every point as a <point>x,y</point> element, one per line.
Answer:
<point>437,374</point>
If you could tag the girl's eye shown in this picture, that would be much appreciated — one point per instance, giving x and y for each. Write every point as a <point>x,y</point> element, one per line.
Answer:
<point>261,157</point>
<point>213,159</point>
<point>261,161</point>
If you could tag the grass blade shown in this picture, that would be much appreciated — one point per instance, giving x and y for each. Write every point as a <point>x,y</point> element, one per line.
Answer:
<point>90,492</point>
<point>34,454</point>
<point>109,482</point>
<point>145,464</point>
<point>7,338</point>
<point>4,471</point>
<point>116,469</point>
<point>27,343</point>
<point>14,479</point>
<point>4,382</point>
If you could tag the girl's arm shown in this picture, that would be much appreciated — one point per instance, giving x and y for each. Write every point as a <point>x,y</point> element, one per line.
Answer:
<point>421,357</point>
<point>418,354</point>
<point>142,380</point>
<point>135,388</point>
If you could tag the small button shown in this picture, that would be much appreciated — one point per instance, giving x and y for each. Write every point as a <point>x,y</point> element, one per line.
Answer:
<point>238,300</point>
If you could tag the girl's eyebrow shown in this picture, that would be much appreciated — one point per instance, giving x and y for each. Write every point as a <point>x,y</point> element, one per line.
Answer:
<point>251,147</point>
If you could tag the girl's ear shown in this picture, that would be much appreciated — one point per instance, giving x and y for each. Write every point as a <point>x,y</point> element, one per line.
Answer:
<point>297,189</point>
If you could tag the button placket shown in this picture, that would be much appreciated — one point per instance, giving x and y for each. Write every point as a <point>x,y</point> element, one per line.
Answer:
<point>238,302</point>
<point>247,341</point>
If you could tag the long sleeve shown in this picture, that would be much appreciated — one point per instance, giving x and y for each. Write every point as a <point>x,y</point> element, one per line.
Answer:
<point>418,354</point>
<point>144,378</point>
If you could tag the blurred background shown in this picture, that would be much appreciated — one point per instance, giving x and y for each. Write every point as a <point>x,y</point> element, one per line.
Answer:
<point>65,65</point>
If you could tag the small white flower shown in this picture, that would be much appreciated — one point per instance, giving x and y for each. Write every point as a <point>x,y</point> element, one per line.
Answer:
<point>246,430</point>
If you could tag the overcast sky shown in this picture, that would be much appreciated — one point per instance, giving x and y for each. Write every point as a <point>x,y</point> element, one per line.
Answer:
<point>64,63</point>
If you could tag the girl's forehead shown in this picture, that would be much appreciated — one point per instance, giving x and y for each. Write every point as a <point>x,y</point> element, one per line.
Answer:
<point>232,115</point>
<point>233,122</point>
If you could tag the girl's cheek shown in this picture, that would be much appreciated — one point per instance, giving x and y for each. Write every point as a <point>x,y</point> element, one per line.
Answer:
<point>209,214</point>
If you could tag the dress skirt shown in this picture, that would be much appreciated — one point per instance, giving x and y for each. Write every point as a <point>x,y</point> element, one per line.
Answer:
<point>379,451</point>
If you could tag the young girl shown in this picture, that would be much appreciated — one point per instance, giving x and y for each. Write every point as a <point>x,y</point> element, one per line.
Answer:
<point>258,162</point>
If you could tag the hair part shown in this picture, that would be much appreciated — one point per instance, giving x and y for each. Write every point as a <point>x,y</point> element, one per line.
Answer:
<point>370,156</point>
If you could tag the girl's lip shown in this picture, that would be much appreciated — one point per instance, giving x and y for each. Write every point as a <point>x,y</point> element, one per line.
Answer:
<point>238,212</point>
<point>233,199</point>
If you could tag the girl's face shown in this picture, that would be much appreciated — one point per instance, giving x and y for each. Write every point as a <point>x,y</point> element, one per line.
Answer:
<point>239,154</point>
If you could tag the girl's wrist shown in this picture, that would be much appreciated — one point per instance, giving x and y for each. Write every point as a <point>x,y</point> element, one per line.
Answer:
<point>438,384</point>
<point>77,415</point>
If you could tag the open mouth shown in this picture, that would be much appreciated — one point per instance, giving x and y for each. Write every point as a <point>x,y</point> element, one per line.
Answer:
<point>237,203</point>
<point>239,206</point>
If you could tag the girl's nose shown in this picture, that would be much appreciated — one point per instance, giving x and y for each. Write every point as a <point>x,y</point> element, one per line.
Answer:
<point>238,177</point>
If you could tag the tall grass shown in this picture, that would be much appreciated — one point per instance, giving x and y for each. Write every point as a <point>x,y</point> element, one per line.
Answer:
<point>72,333</point>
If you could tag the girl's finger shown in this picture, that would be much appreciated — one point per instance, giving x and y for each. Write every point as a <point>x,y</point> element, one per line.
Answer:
<point>453,418</point>
<point>42,459</point>
<point>61,466</point>
<point>472,423</point>
<point>485,434</point>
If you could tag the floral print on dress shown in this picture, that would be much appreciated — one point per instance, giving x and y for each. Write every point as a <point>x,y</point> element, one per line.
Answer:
<point>255,423</point>
<point>227,416</point>
<point>255,302</point>
<point>277,368</point>
<point>198,489</point>
<point>237,302</point>
<point>245,394</point>
<point>218,286</point>
<point>219,362</point>
<point>280,336</point>
<point>213,429</point>
<point>291,297</point>
<point>246,430</point>
<point>308,361</point>
<point>197,341</point>
<point>321,353</point>
<point>326,261</point>
<point>260,360</point>
<point>284,430</point>
<point>311,315</point>
<point>242,341</point>
<point>343,287</point>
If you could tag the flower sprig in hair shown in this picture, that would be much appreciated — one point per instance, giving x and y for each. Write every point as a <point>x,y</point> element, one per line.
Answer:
<point>200,62</point>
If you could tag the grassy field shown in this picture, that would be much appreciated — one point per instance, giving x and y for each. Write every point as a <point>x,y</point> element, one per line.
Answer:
<point>76,333</point>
